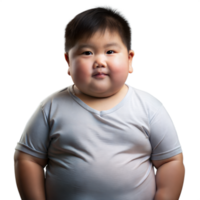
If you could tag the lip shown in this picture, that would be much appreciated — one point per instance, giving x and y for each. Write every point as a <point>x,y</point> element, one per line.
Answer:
<point>100,75</point>
<point>99,72</point>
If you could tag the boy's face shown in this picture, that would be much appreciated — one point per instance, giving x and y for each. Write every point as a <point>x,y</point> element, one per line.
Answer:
<point>104,53</point>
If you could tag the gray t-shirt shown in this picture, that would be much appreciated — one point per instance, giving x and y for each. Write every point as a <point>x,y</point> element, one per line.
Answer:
<point>100,155</point>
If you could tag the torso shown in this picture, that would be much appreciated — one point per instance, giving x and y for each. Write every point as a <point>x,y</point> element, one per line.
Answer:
<point>103,104</point>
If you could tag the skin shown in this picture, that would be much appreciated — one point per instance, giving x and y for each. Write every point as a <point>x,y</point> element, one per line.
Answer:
<point>98,52</point>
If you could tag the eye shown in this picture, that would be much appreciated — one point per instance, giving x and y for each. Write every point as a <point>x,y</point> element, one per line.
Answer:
<point>90,51</point>
<point>86,52</point>
<point>111,50</point>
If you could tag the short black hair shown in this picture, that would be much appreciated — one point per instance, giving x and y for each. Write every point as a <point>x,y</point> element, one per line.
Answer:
<point>97,19</point>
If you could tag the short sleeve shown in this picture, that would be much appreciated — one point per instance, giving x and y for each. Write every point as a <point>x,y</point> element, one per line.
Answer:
<point>34,139</point>
<point>163,136</point>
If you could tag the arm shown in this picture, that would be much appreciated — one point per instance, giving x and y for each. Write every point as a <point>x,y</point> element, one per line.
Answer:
<point>29,176</point>
<point>30,180</point>
<point>169,178</point>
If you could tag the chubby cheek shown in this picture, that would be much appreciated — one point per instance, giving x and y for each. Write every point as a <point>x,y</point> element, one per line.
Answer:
<point>119,70</point>
<point>80,70</point>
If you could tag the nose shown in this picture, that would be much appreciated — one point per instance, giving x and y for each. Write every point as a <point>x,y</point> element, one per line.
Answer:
<point>98,65</point>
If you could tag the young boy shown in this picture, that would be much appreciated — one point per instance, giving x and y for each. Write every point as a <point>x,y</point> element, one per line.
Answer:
<point>99,138</point>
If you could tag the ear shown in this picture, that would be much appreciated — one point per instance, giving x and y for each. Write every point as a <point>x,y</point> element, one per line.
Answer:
<point>131,58</point>
<point>67,59</point>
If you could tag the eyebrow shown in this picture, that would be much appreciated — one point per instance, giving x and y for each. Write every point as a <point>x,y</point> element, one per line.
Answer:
<point>91,46</point>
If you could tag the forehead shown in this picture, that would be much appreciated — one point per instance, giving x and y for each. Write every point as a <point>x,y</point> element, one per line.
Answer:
<point>101,38</point>
<point>100,34</point>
